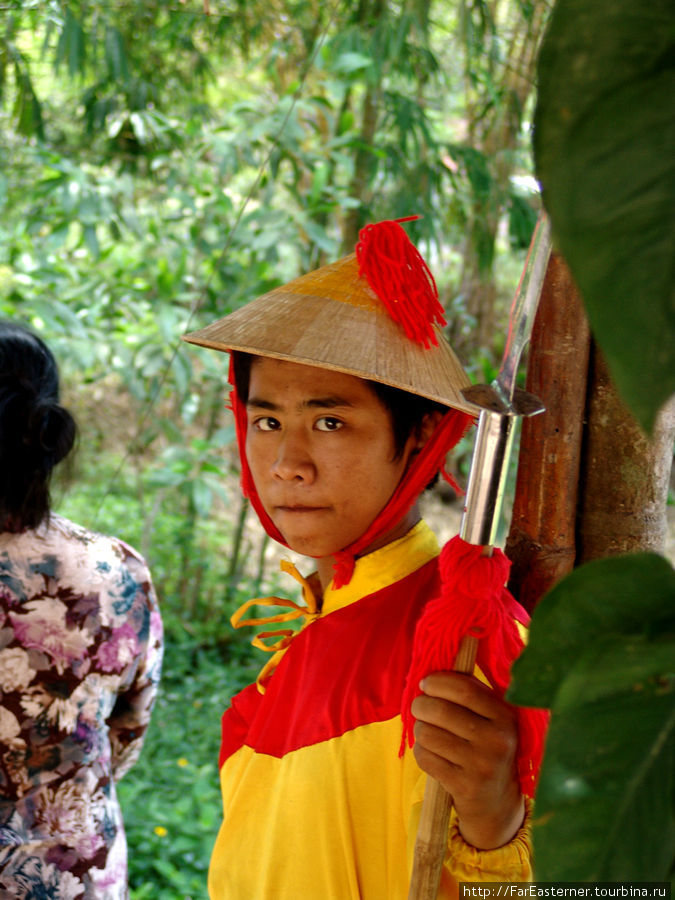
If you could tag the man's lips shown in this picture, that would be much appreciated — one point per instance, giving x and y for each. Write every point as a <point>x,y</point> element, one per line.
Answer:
<point>299,508</point>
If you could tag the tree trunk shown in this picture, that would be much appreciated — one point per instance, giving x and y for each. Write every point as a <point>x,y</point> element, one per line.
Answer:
<point>368,13</point>
<point>478,281</point>
<point>541,541</point>
<point>625,476</point>
<point>362,163</point>
<point>590,484</point>
<point>493,128</point>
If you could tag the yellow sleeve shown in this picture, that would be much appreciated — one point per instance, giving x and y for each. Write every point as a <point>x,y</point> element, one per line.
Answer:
<point>512,862</point>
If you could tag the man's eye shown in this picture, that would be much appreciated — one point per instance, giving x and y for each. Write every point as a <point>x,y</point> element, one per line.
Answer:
<point>267,423</point>
<point>328,423</point>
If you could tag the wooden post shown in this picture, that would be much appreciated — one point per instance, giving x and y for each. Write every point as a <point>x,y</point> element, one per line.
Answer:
<point>541,541</point>
<point>625,474</point>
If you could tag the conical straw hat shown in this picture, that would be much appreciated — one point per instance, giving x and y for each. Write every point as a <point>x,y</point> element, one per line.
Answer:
<point>332,319</point>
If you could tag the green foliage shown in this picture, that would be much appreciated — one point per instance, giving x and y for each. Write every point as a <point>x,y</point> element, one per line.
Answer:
<point>603,640</point>
<point>358,103</point>
<point>26,110</point>
<point>601,656</point>
<point>605,150</point>
<point>175,513</point>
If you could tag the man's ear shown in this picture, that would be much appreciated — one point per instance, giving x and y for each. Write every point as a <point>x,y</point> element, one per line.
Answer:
<point>427,427</point>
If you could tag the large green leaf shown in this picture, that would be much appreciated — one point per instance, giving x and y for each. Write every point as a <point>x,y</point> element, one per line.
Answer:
<point>605,154</point>
<point>605,799</point>
<point>601,656</point>
<point>629,597</point>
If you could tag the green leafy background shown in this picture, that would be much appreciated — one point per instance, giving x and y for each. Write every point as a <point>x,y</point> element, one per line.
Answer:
<point>605,153</point>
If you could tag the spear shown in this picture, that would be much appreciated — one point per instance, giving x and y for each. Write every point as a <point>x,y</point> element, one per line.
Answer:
<point>501,403</point>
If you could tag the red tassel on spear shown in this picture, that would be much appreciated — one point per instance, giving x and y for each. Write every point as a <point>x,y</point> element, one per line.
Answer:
<point>473,620</point>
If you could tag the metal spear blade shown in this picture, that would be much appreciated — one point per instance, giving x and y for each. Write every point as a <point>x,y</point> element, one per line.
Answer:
<point>524,308</point>
<point>501,403</point>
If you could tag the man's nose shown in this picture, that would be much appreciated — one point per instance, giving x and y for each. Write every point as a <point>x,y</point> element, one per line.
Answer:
<point>294,460</point>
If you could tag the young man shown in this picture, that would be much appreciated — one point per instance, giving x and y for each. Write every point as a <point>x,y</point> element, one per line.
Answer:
<point>347,400</point>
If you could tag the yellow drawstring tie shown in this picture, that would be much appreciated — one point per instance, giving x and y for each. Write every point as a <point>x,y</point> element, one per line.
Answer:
<point>284,635</point>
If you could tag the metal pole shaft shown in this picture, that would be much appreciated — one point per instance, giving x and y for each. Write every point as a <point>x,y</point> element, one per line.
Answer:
<point>487,478</point>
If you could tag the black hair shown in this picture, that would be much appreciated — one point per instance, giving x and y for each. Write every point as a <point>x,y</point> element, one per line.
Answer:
<point>36,432</point>
<point>407,411</point>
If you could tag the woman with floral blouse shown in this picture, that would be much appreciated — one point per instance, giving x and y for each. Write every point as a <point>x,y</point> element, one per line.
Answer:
<point>80,655</point>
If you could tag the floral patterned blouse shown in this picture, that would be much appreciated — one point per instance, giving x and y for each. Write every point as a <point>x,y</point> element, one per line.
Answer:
<point>80,656</point>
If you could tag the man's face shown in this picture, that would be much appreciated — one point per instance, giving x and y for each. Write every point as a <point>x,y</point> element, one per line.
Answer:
<point>321,451</point>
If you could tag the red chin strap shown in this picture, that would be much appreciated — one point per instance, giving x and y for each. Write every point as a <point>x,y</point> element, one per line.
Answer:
<point>425,465</point>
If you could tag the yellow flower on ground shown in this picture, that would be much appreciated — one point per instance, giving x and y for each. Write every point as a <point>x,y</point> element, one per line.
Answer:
<point>182,762</point>
<point>160,831</point>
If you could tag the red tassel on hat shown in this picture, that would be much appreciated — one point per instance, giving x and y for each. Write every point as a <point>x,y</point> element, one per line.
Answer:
<point>474,601</point>
<point>397,273</point>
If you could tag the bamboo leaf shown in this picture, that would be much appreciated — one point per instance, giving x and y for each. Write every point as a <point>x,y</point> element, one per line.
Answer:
<point>115,54</point>
<point>349,63</point>
<point>71,45</point>
<point>202,497</point>
<point>3,67</point>
<point>27,109</point>
<point>91,240</point>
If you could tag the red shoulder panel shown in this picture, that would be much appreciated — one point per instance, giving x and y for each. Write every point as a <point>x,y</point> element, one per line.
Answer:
<point>342,671</point>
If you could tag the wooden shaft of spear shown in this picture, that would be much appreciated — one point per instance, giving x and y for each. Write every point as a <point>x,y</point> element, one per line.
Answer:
<point>432,830</point>
<point>501,403</point>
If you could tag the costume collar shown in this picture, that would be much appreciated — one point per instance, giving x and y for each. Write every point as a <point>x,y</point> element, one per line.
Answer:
<point>372,572</point>
<point>384,567</point>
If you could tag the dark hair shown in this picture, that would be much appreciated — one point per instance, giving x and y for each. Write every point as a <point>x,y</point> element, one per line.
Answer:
<point>406,410</point>
<point>36,432</point>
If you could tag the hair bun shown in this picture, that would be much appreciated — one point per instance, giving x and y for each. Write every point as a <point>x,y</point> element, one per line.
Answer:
<point>37,432</point>
<point>50,431</point>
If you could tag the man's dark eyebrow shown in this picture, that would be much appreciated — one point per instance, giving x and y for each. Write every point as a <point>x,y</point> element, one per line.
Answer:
<point>259,403</point>
<point>327,402</point>
<point>314,403</point>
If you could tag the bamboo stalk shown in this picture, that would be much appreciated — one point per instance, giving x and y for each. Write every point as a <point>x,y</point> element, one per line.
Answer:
<point>432,831</point>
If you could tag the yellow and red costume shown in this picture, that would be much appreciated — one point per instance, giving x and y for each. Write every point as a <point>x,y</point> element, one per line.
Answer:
<point>318,803</point>
<point>321,791</point>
